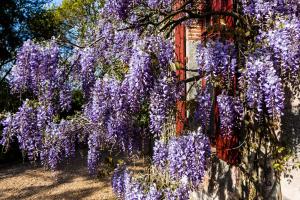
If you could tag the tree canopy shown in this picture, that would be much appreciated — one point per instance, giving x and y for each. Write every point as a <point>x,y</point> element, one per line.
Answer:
<point>19,23</point>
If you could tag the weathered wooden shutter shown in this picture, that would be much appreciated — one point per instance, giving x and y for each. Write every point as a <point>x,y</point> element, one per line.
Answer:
<point>180,53</point>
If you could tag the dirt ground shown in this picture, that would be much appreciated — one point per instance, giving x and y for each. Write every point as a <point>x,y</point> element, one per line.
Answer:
<point>26,182</point>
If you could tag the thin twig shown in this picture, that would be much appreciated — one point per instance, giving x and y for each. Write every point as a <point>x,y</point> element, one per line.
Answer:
<point>195,78</point>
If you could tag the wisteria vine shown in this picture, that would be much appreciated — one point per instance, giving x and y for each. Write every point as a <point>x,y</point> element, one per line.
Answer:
<point>237,77</point>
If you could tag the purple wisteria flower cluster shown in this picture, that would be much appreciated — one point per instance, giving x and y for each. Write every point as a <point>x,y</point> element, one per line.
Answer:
<point>115,44</point>
<point>162,97</point>
<point>204,108</point>
<point>184,158</point>
<point>160,154</point>
<point>97,108</point>
<point>119,9</point>
<point>140,78</point>
<point>187,157</point>
<point>150,58</point>
<point>37,70</point>
<point>113,103</point>
<point>231,113</point>
<point>118,180</point>
<point>39,138</point>
<point>59,143</point>
<point>23,126</point>
<point>127,187</point>
<point>216,58</point>
<point>110,104</point>
<point>108,111</point>
<point>284,40</point>
<point>265,89</point>
<point>87,62</point>
<point>263,8</point>
<point>94,142</point>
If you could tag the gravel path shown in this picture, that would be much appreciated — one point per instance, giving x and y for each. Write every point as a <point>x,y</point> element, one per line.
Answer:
<point>24,182</point>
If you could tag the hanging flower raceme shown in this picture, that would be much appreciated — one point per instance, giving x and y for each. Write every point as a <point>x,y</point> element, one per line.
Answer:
<point>28,60</point>
<point>9,130</point>
<point>120,122</point>
<point>23,126</point>
<point>38,137</point>
<point>87,62</point>
<point>67,137</point>
<point>162,99</point>
<point>187,157</point>
<point>36,70</point>
<point>97,111</point>
<point>160,49</point>
<point>160,154</point>
<point>133,188</point>
<point>231,113</point>
<point>116,45</point>
<point>51,153</point>
<point>203,109</point>
<point>265,90</point>
<point>94,143</point>
<point>45,115</point>
<point>217,58</point>
<point>122,48</point>
<point>65,97</point>
<point>284,39</point>
<point>98,107</point>
<point>184,158</point>
<point>109,111</point>
<point>58,143</point>
<point>140,78</point>
<point>150,58</point>
<point>118,180</point>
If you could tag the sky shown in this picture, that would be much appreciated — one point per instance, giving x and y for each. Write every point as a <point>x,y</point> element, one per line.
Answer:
<point>57,2</point>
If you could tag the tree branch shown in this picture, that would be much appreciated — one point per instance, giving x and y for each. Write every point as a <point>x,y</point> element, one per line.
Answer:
<point>5,62</point>
<point>6,74</point>
<point>192,79</point>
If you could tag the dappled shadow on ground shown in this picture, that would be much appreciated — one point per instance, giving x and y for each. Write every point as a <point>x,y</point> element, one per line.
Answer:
<point>72,194</point>
<point>71,181</point>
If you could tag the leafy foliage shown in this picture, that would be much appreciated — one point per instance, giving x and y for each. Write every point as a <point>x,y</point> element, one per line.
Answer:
<point>22,20</point>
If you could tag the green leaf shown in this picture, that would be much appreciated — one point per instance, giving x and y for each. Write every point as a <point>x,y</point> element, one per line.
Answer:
<point>177,65</point>
<point>280,150</point>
